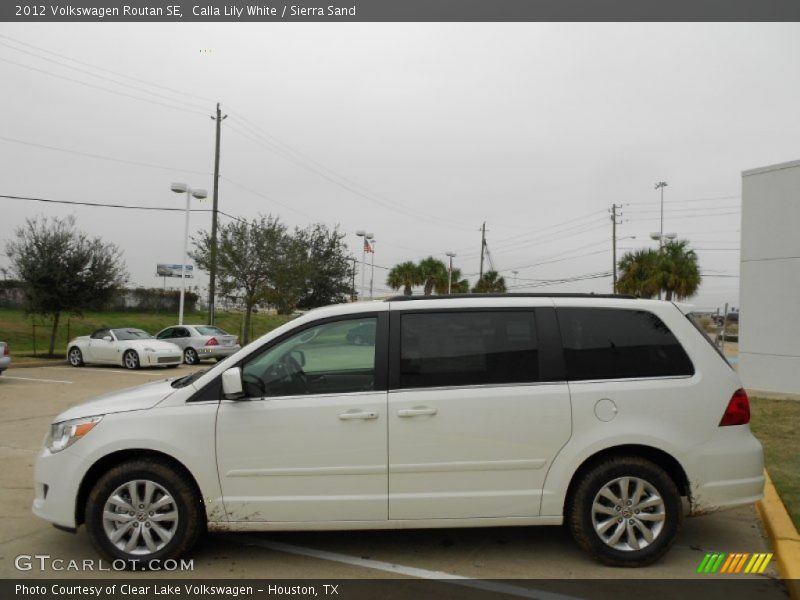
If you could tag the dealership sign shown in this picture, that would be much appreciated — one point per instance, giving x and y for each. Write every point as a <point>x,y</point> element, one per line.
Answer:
<point>173,270</point>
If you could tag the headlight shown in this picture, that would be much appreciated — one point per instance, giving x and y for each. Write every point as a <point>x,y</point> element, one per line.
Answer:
<point>64,434</point>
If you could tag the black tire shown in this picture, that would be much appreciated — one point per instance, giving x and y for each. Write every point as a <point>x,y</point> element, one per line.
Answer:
<point>580,517</point>
<point>76,354</point>
<point>191,523</point>
<point>130,360</point>
<point>190,356</point>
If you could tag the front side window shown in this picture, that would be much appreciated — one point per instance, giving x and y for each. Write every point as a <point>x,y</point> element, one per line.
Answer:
<point>166,334</point>
<point>100,334</point>
<point>607,343</point>
<point>325,359</point>
<point>468,348</point>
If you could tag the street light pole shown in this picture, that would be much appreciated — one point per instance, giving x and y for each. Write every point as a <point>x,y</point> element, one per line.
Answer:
<point>661,185</point>
<point>180,188</point>
<point>450,255</point>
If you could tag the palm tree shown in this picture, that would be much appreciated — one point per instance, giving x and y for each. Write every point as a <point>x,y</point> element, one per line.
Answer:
<point>459,285</point>
<point>491,282</point>
<point>680,273</point>
<point>434,273</point>
<point>405,275</point>
<point>673,270</point>
<point>639,274</point>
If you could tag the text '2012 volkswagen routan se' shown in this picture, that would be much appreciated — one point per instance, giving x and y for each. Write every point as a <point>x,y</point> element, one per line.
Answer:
<point>614,416</point>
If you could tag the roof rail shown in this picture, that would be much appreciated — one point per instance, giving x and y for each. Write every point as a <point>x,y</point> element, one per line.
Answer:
<point>511,295</point>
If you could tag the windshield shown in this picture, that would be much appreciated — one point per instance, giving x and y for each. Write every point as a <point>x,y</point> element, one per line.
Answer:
<point>210,330</point>
<point>184,381</point>
<point>131,334</point>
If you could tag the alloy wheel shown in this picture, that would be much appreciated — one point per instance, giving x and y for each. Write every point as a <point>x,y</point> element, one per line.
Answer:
<point>140,517</point>
<point>628,513</point>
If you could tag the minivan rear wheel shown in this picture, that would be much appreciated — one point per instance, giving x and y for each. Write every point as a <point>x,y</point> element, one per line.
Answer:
<point>143,511</point>
<point>625,512</point>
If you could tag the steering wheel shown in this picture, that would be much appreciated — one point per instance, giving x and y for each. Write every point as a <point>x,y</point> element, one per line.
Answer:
<point>295,372</point>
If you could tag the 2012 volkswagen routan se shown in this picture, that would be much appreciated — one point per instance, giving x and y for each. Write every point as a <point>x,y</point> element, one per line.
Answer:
<point>614,416</point>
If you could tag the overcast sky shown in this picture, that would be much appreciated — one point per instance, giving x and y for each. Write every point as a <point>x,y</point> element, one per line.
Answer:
<point>415,132</point>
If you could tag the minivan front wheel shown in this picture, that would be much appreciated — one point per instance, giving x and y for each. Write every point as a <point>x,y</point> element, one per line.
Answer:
<point>625,512</point>
<point>143,511</point>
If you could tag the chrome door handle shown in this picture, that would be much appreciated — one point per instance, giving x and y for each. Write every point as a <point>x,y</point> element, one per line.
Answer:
<point>363,415</point>
<point>416,412</point>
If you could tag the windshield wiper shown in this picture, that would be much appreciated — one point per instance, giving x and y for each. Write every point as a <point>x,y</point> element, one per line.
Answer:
<point>184,381</point>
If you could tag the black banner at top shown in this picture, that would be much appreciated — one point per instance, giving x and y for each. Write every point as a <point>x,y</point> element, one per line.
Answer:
<point>398,10</point>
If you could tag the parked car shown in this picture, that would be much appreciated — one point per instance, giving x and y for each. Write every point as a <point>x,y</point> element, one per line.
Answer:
<point>199,342</point>
<point>603,413</point>
<point>126,346</point>
<point>5,356</point>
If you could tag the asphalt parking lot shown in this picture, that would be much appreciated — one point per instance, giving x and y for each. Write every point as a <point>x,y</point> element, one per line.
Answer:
<point>31,397</point>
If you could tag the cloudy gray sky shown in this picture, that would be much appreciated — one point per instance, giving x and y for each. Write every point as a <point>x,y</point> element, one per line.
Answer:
<point>416,132</point>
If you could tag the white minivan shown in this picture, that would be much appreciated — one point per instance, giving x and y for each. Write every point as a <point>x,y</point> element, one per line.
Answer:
<point>615,416</point>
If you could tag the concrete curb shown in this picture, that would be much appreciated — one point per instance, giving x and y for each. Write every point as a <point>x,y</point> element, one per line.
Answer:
<point>782,535</point>
<point>38,363</point>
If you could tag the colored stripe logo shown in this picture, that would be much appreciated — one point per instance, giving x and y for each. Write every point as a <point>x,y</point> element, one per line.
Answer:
<point>734,563</point>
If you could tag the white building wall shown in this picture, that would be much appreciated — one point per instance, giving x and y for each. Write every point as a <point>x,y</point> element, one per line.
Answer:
<point>769,322</point>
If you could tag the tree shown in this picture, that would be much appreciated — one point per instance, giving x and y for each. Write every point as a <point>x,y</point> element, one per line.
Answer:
<point>63,269</point>
<point>433,272</point>
<point>313,270</point>
<point>458,286</point>
<point>405,275</point>
<point>491,282</point>
<point>326,264</point>
<point>639,274</point>
<point>680,272</point>
<point>674,271</point>
<point>248,257</point>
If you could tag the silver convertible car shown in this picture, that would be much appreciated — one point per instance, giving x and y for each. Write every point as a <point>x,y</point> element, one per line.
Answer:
<point>200,342</point>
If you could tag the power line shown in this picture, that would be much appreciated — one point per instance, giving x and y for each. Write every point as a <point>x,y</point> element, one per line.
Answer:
<point>99,87</point>
<point>103,77</point>
<point>181,93</point>
<point>102,157</point>
<point>100,205</point>
<point>439,222</point>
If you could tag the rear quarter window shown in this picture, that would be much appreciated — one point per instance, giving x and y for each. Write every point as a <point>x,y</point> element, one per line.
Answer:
<point>609,343</point>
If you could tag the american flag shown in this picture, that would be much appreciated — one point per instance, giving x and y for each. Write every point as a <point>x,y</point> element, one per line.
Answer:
<point>367,247</point>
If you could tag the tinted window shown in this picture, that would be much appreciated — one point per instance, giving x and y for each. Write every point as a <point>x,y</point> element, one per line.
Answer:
<point>319,360</point>
<point>167,333</point>
<point>100,334</point>
<point>607,343</point>
<point>467,348</point>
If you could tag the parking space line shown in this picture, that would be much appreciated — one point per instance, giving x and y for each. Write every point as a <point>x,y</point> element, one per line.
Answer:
<point>94,370</point>
<point>439,576</point>
<point>34,379</point>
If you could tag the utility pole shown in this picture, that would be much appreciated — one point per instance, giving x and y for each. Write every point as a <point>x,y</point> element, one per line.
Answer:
<point>372,269</point>
<point>483,247</point>
<point>614,223</point>
<point>661,185</point>
<point>212,275</point>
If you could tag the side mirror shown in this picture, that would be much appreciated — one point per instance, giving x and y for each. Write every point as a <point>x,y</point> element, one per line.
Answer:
<point>107,338</point>
<point>232,384</point>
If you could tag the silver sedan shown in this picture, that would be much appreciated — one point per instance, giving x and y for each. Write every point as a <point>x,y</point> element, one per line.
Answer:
<point>200,342</point>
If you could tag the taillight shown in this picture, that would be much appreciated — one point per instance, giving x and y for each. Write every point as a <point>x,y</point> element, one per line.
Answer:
<point>738,411</point>
<point>212,342</point>
<point>5,350</point>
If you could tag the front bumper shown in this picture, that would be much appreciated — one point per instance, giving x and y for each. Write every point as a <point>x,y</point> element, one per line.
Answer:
<point>160,359</point>
<point>56,481</point>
